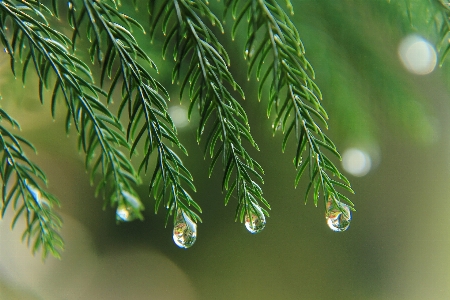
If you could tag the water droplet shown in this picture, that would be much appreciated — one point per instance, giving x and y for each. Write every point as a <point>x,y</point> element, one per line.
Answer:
<point>35,193</point>
<point>70,5</point>
<point>5,50</point>
<point>129,207</point>
<point>338,217</point>
<point>100,56</point>
<point>184,231</point>
<point>10,162</point>
<point>125,213</point>
<point>256,222</point>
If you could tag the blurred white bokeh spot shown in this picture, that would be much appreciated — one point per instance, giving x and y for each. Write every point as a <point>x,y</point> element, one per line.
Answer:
<point>417,55</point>
<point>356,162</point>
<point>179,115</point>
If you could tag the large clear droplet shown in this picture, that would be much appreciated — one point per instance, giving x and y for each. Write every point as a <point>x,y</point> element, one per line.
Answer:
<point>184,231</point>
<point>338,217</point>
<point>256,221</point>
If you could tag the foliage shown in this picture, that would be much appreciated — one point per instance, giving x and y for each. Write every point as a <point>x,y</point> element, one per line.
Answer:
<point>21,190</point>
<point>275,55</point>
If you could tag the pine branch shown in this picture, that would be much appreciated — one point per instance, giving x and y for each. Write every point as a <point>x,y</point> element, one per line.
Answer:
<point>21,190</point>
<point>210,82</point>
<point>291,74</point>
<point>98,129</point>
<point>146,100</point>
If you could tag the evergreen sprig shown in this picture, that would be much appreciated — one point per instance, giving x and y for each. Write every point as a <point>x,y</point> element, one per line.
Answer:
<point>34,40</point>
<point>202,67</point>
<point>291,75</point>
<point>210,83</point>
<point>21,190</point>
<point>145,98</point>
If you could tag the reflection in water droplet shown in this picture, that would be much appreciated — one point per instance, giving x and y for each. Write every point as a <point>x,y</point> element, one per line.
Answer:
<point>184,231</point>
<point>338,217</point>
<point>256,222</point>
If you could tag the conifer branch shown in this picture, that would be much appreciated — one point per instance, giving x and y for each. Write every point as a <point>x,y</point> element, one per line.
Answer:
<point>291,75</point>
<point>21,190</point>
<point>210,82</point>
<point>98,128</point>
<point>146,100</point>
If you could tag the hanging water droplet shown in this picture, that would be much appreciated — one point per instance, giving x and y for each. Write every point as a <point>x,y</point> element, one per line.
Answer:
<point>125,213</point>
<point>70,5</point>
<point>10,162</point>
<point>100,56</point>
<point>129,207</point>
<point>256,222</point>
<point>35,193</point>
<point>338,217</point>
<point>184,231</point>
<point>5,50</point>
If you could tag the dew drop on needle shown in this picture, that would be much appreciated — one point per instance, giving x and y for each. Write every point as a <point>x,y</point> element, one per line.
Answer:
<point>184,230</point>
<point>338,216</point>
<point>256,221</point>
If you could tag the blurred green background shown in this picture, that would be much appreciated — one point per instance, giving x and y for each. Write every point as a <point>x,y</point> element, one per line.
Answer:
<point>391,106</point>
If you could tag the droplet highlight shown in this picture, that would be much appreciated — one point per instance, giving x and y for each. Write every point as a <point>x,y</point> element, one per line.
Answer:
<point>256,221</point>
<point>184,231</point>
<point>338,216</point>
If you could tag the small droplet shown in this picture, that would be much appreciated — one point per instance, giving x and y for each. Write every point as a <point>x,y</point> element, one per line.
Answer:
<point>5,50</point>
<point>10,162</point>
<point>184,231</point>
<point>35,193</point>
<point>70,5</point>
<point>129,209</point>
<point>338,217</point>
<point>256,222</point>
<point>124,213</point>
<point>100,56</point>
